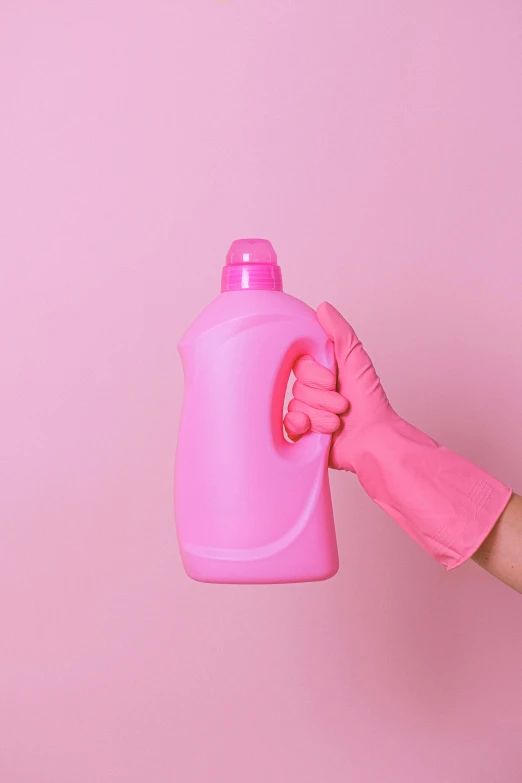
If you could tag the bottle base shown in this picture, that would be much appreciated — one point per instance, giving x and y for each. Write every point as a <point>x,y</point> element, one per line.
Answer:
<point>256,572</point>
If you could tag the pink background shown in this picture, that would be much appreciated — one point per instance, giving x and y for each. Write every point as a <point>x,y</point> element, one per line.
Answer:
<point>378,145</point>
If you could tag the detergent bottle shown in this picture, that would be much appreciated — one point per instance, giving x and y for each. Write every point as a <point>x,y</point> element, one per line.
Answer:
<point>251,507</point>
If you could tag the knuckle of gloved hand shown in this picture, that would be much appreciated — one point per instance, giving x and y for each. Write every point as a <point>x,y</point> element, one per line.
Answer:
<point>296,406</point>
<point>302,365</point>
<point>322,378</point>
<point>341,404</point>
<point>326,422</point>
<point>297,389</point>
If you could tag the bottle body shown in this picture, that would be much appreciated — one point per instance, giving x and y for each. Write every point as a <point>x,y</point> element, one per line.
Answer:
<point>250,506</point>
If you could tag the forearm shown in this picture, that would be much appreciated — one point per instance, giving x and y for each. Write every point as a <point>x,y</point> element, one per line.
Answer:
<point>501,552</point>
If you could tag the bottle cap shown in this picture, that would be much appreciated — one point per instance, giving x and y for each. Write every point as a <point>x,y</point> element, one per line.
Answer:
<point>251,264</point>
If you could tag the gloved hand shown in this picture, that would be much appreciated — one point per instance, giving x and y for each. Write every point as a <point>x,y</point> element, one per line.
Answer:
<point>445,503</point>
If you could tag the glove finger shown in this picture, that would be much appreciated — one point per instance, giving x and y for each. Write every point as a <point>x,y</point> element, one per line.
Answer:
<point>320,421</point>
<point>296,424</point>
<point>309,372</point>
<point>322,399</point>
<point>338,330</point>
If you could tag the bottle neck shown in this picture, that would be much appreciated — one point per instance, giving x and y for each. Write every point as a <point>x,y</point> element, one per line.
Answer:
<point>257,277</point>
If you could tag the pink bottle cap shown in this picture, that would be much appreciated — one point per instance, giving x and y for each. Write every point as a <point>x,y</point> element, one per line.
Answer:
<point>251,264</point>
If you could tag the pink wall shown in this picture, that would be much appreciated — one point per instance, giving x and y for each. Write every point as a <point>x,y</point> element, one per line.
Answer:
<point>378,146</point>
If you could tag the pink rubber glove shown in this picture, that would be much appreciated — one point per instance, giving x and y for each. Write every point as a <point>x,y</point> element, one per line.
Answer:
<point>445,503</point>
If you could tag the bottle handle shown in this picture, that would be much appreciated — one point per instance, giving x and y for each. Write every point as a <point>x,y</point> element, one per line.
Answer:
<point>321,349</point>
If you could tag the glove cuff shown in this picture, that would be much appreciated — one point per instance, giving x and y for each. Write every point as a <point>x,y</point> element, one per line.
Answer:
<point>443,501</point>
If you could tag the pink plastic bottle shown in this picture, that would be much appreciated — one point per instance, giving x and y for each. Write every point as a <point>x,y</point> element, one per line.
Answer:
<point>250,506</point>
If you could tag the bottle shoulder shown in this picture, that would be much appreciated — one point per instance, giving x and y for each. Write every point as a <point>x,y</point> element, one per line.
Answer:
<point>232,305</point>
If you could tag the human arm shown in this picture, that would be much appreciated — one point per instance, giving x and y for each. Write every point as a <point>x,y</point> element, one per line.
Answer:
<point>501,552</point>
<point>443,501</point>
